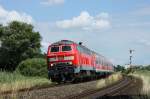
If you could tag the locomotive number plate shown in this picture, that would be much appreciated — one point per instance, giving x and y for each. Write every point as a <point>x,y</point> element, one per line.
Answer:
<point>60,58</point>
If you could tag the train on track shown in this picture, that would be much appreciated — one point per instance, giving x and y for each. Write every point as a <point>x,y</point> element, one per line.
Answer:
<point>70,61</point>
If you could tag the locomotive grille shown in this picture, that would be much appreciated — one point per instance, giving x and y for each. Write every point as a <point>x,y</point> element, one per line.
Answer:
<point>62,67</point>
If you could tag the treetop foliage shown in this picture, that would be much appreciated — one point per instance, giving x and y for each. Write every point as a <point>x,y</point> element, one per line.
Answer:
<point>18,42</point>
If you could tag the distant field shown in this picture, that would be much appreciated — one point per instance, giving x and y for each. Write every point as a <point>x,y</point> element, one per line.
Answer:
<point>145,76</point>
<point>15,81</point>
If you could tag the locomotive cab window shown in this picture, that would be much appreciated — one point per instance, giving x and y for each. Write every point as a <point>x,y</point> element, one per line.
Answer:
<point>66,48</point>
<point>55,49</point>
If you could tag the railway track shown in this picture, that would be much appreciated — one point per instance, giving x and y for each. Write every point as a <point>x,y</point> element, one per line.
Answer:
<point>113,90</point>
<point>51,92</point>
<point>87,90</point>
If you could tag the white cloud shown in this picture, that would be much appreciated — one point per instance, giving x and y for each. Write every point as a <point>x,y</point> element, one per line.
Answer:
<point>52,2</point>
<point>144,42</point>
<point>86,22</point>
<point>103,15</point>
<point>8,16</point>
<point>44,44</point>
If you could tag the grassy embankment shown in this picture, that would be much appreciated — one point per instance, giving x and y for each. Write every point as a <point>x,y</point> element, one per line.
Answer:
<point>15,81</point>
<point>110,80</point>
<point>145,76</point>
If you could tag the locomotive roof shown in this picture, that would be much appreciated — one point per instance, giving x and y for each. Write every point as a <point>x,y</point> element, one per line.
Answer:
<point>71,42</point>
<point>63,42</point>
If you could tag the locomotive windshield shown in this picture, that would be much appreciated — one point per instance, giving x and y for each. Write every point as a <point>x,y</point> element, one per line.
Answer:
<point>55,49</point>
<point>66,48</point>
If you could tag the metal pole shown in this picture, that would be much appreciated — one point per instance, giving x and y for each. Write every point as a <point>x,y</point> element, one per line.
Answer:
<point>131,51</point>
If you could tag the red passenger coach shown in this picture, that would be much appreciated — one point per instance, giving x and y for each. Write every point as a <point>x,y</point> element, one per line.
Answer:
<point>68,61</point>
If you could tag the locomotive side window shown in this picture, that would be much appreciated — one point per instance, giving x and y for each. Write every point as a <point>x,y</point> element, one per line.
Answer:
<point>66,48</point>
<point>80,49</point>
<point>84,50</point>
<point>55,49</point>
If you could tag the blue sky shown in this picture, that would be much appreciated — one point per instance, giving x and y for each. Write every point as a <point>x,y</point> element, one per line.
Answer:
<point>109,27</point>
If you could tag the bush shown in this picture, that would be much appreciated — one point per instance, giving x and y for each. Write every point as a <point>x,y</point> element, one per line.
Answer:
<point>33,67</point>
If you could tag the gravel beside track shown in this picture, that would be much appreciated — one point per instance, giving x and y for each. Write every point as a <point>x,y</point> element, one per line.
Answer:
<point>53,92</point>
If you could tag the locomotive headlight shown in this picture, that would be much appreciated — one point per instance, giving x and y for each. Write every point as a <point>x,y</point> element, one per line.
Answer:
<point>70,63</point>
<point>69,58</point>
<point>52,64</point>
<point>52,59</point>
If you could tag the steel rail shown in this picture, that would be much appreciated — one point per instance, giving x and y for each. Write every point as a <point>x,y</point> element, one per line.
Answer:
<point>107,91</point>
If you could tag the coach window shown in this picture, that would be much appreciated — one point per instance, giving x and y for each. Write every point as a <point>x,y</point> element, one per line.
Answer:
<point>101,61</point>
<point>97,61</point>
<point>66,48</point>
<point>55,49</point>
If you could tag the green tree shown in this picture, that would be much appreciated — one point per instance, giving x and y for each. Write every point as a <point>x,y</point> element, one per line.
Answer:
<point>1,31</point>
<point>119,68</point>
<point>33,67</point>
<point>147,67</point>
<point>18,42</point>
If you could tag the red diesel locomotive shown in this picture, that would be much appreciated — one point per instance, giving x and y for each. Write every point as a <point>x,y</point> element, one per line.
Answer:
<point>68,61</point>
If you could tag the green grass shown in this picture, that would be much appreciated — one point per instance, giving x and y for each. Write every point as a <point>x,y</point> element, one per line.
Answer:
<point>15,81</point>
<point>145,76</point>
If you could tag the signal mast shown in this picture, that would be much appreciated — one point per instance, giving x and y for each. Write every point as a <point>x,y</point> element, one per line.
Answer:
<point>130,57</point>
